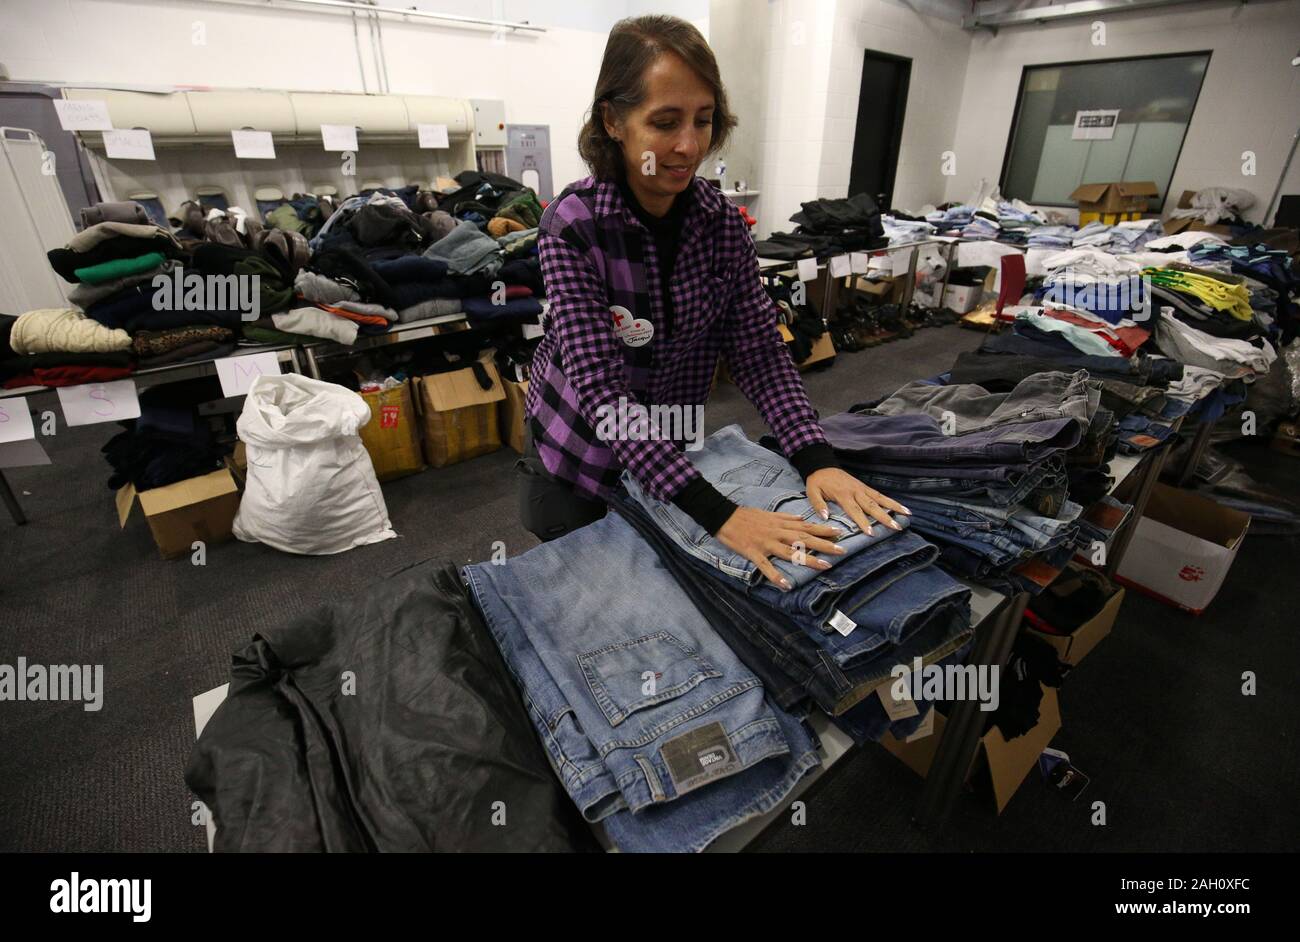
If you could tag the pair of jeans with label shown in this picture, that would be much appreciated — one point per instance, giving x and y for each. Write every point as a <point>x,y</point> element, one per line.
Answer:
<point>638,702</point>
<point>800,653</point>
<point>750,476</point>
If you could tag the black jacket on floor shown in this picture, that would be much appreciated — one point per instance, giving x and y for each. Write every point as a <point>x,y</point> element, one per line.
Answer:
<point>427,746</point>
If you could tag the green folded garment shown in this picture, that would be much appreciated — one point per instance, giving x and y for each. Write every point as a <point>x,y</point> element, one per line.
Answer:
<point>275,292</point>
<point>118,268</point>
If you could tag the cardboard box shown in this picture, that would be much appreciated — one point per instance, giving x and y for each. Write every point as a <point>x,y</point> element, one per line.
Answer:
<point>882,290</point>
<point>1187,224</point>
<point>1182,548</point>
<point>962,298</point>
<point>460,416</point>
<point>200,508</point>
<point>1074,647</point>
<point>392,436</point>
<point>512,414</point>
<point>237,463</point>
<point>1002,764</point>
<point>1113,202</point>
<point>823,348</point>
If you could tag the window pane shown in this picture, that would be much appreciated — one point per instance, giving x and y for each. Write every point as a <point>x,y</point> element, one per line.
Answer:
<point>1155,98</point>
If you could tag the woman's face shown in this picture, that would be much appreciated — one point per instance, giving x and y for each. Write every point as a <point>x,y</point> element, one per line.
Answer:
<point>666,136</point>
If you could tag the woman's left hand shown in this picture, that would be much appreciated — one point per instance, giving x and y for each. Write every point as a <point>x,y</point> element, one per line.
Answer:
<point>854,498</point>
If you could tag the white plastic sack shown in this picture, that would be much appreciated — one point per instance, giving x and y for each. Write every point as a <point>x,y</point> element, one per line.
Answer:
<point>311,488</point>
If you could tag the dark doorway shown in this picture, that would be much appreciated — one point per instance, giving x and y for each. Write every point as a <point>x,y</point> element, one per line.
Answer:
<point>882,102</point>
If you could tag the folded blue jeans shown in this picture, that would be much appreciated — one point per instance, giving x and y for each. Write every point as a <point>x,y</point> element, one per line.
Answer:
<point>638,700</point>
<point>751,476</point>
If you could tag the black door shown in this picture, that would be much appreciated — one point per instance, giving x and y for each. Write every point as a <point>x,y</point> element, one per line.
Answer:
<point>882,102</point>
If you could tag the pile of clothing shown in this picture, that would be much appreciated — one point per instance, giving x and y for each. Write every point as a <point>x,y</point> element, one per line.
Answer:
<point>952,219</point>
<point>900,229</point>
<point>984,473</point>
<point>1051,237</point>
<point>1018,221</point>
<point>1273,270</point>
<point>288,761</point>
<point>169,442</point>
<point>1133,236</point>
<point>1217,303</point>
<point>1109,286</point>
<point>828,227</point>
<point>646,647</point>
<point>982,226</point>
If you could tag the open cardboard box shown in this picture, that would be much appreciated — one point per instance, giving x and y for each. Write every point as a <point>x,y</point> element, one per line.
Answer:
<point>392,436</point>
<point>1182,548</point>
<point>1001,763</point>
<point>460,415</point>
<point>512,413</point>
<point>199,508</point>
<point>822,349</point>
<point>1186,224</point>
<point>1118,201</point>
<point>1074,647</point>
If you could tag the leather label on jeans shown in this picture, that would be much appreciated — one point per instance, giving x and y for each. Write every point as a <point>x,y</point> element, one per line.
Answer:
<point>699,756</point>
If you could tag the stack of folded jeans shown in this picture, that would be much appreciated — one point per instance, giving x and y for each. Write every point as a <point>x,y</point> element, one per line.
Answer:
<point>981,472</point>
<point>838,633</point>
<point>654,726</point>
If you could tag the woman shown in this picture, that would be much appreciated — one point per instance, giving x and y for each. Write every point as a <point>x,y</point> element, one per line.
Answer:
<point>652,275</point>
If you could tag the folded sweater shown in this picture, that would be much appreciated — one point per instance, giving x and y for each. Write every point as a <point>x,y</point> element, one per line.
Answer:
<point>53,330</point>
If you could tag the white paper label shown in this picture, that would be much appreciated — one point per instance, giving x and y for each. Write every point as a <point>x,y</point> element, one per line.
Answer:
<point>339,136</point>
<point>92,403</point>
<point>841,266</point>
<point>237,373</point>
<point>83,115</point>
<point>1095,125</point>
<point>897,709</point>
<point>842,623</point>
<point>532,331</point>
<point>253,145</point>
<point>900,262</point>
<point>24,454</point>
<point>15,420</point>
<point>925,729</point>
<point>859,262</point>
<point>128,144</point>
<point>807,269</point>
<point>433,135</point>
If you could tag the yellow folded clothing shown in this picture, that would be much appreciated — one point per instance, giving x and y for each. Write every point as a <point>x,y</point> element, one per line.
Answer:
<point>64,330</point>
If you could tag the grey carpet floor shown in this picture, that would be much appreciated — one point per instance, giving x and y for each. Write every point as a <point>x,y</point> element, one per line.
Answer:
<point>1154,715</point>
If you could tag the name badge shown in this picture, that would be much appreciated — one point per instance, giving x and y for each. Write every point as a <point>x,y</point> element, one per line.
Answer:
<point>633,331</point>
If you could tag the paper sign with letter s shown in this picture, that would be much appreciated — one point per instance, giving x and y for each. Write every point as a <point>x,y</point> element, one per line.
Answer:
<point>92,403</point>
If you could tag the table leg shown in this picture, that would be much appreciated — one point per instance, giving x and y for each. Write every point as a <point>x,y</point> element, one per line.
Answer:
<point>1149,475</point>
<point>1194,454</point>
<point>10,501</point>
<point>962,732</point>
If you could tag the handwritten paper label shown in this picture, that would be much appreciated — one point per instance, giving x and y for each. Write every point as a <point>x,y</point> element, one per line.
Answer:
<point>237,373</point>
<point>83,115</point>
<point>92,403</point>
<point>807,269</point>
<point>15,420</point>
<point>128,144</point>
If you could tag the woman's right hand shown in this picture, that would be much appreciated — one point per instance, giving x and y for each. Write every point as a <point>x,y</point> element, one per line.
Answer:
<point>759,534</point>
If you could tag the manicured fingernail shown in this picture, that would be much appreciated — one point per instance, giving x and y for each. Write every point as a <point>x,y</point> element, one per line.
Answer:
<point>838,550</point>
<point>825,514</point>
<point>822,564</point>
<point>870,531</point>
<point>906,511</point>
<point>894,525</point>
<point>785,584</point>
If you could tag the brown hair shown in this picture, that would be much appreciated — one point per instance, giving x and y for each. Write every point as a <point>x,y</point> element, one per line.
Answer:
<point>633,45</point>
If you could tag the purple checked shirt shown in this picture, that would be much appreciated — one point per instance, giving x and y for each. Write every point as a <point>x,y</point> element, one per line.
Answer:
<point>596,254</point>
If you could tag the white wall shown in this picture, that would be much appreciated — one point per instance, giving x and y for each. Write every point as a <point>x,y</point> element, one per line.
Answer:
<point>543,78</point>
<point>810,67</point>
<point>1250,100</point>
<point>939,50</point>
